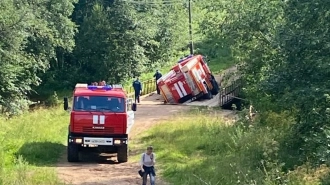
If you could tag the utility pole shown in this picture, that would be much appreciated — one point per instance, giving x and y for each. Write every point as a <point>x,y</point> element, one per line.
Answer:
<point>190,29</point>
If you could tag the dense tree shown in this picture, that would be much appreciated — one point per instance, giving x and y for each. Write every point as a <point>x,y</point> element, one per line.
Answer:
<point>31,33</point>
<point>301,78</point>
<point>126,38</point>
<point>115,40</point>
<point>105,46</point>
<point>282,46</point>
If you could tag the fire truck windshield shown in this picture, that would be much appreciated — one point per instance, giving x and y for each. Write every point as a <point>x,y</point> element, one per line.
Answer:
<point>99,104</point>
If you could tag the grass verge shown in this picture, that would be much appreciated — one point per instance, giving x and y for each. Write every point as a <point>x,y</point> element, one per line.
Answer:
<point>31,144</point>
<point>220,64</point>
<point>199,148</point>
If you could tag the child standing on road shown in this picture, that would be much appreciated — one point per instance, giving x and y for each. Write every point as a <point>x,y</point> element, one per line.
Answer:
<point>147,164</point>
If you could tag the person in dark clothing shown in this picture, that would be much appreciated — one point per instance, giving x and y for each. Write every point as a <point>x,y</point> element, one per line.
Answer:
<point>137,89</point>
<point>157,76</point>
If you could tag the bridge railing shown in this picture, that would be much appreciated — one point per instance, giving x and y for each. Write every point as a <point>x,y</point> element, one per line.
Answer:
<point>148,87</point>
<point>226,94</point>
<point>230,92</point>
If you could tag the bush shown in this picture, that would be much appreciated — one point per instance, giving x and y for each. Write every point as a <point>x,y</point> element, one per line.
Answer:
<point>201,149</point>
<point>52,100</point>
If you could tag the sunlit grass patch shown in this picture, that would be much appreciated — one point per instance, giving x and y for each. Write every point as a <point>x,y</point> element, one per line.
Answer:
<point>197,147</point>
<point>31,144</point>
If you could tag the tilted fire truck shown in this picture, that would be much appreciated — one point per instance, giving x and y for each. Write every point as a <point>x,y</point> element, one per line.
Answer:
<point>189,79</point>
<point>100,120</point>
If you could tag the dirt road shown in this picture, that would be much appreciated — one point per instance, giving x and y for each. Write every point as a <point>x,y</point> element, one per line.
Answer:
<point>96,170</point>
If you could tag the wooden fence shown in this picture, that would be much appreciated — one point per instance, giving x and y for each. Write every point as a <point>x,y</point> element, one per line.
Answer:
<point>148,86</point>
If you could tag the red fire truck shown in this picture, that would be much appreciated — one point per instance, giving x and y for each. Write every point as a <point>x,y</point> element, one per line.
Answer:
<point>189,79</point>
<point>100,120</point>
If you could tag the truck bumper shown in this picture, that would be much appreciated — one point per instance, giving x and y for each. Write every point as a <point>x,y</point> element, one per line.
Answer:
<point>98,141</point>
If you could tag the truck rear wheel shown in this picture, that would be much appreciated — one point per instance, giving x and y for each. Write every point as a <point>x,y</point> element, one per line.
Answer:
<point>208,95</point>
<point>215,89</point>
<point>122,154</point>
<point>73,153</point>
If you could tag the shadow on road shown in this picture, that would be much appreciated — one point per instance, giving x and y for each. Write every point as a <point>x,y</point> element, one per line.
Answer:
<point>48,153</point>
<point>88,158</point>
<point>41,153</point>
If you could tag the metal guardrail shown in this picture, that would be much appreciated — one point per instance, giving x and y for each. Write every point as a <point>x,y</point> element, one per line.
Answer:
<point>148,87</point>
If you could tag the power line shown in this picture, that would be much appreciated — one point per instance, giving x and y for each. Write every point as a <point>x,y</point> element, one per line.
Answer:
<point>191,46</point>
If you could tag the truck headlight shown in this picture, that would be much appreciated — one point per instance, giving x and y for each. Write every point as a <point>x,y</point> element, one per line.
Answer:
<point>117,142</point>
<point>78,141</point>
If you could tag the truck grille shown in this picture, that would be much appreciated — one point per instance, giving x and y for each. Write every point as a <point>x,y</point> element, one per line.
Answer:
<point>93,130</point>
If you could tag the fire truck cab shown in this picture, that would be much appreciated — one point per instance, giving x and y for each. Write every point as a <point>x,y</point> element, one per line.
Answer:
<point>100,120</point>
<point>189,79</point>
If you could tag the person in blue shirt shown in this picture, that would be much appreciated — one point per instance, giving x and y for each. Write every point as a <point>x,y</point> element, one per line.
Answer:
<point>157,76</point>
<point>137,89</point>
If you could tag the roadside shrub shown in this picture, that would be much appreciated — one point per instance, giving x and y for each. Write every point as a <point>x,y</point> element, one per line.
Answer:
<point>52,100</point>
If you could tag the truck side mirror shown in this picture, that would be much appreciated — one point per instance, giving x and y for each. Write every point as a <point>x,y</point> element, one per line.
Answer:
<point>66,103</point>
<point>134,105</point>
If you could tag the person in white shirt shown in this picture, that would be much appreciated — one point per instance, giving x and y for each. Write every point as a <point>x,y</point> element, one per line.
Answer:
<point>147,163</point>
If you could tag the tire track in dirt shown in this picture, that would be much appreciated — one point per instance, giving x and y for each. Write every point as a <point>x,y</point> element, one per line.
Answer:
<point>104,170</point>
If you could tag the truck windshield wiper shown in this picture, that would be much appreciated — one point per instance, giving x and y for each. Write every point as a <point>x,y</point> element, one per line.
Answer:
<point>102,110</point>
<point>112,110</point>
<point>83,110</point>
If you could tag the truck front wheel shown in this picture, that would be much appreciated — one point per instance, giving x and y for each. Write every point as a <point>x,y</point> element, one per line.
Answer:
<point>73,153</point>
<point>122,154</point>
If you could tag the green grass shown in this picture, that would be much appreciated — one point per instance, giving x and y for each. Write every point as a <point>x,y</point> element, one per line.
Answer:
<point>220,64</point>
<point>196,146</point>
<point>200,149</point>
<point>31,144</point>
